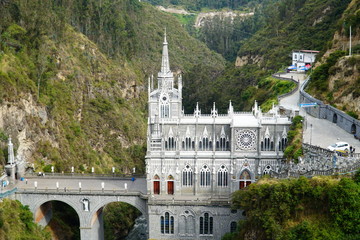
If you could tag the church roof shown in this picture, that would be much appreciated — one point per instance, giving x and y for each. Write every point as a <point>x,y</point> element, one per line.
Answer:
<point>245,121</point>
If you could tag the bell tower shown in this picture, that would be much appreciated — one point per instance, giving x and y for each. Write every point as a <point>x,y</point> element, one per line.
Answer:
<point>165,100</point>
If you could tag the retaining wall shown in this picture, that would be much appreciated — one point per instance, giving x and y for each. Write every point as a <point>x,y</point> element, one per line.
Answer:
<point>330,113</point>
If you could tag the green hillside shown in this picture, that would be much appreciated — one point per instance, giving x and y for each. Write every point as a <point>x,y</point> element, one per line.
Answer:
<point>86,64</point>
<point>265,42</point>
<point>337,78</point>
<point>16,222</point>
<point>293,209</point>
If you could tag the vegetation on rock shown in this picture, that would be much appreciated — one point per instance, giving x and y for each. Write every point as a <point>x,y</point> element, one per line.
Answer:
<point>294,147</point>
<point>118,220</point>
<point>16,222</point>
<point>317,208</point>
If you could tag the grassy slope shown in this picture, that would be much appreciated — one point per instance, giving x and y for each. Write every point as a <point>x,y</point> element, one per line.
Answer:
<point>16,222</point>
<point>94,97</point>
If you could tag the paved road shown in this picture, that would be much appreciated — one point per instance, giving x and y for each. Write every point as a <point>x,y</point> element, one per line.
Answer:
<point>92,184</point>
<point>319,132</point>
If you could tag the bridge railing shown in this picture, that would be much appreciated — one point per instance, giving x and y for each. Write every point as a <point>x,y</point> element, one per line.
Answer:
<point>85,175</point>
<point>80,191</point>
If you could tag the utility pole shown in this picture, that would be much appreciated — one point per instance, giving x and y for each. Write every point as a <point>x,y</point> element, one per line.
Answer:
<point>350,43</point>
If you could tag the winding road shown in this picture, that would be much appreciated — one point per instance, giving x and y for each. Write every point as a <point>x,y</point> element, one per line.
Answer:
<point>319,132</point>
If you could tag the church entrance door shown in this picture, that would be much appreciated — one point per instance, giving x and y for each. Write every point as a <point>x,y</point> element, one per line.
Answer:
<point>245,179</point>
<point>171,187</point>
<point>244,184</point>
<point>156,187</point>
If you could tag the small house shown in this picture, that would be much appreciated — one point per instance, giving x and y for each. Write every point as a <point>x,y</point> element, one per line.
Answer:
<point>303,58</point>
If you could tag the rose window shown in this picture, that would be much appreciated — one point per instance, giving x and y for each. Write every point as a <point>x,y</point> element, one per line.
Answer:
<point>245,140</point>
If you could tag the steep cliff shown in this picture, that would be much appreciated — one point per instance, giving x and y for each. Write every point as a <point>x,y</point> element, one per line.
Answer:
<point>338,82</point>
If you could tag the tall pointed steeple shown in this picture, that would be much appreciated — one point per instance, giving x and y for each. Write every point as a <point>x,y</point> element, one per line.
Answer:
<point>165,63</point>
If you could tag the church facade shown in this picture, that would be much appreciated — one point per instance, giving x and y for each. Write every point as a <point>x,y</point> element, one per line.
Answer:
<point>195,161</point>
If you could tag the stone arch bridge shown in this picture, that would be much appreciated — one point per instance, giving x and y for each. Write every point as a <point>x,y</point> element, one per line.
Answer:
<point>87,196</point>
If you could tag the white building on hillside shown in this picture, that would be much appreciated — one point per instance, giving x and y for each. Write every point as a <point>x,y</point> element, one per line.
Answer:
<point>301,58</point>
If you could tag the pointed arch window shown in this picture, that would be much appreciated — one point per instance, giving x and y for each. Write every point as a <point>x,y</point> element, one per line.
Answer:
<point>187,224</point>
<point>206,224</point>
<point>165,110</point>
<point>282,144</point>
<point>267,144</point>
<point>233,226</point>
<point>267,170</point>
<point>187,176</point>
<point>205,176</point>
<point>222,176</point>
<point>188,144</point>
<point>205,144</point>
<point>170,144</point>
<point>167,224</point>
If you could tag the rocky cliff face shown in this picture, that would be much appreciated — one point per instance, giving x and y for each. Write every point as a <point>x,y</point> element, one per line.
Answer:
<point>15,119</point>
<point>344,83</point>
<point>344,76</point>
<point>83,78</point>
<point>248,59</point>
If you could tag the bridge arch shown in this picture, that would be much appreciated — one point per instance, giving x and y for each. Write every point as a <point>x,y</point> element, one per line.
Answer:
<point>96,214</point>
<point>134,201</point>
<point>36,208</point>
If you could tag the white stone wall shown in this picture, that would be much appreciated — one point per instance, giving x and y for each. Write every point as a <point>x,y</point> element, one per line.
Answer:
<point>222,218</point>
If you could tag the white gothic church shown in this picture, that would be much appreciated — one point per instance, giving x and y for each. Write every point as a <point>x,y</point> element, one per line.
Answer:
<point>195,161</point>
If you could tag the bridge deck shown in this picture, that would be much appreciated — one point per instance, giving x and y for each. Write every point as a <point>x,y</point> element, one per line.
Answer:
<point>90,185</point>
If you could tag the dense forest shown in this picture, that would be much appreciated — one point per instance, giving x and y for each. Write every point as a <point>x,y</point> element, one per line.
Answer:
<point>293,209</point>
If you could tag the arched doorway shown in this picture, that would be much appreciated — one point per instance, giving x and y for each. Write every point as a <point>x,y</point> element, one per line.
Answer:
<point>170,185</point>
<point>156,184</point>
<point>353,128</point>
<point>335,118</point>
<point>60,219</point>
<point>245,179</point>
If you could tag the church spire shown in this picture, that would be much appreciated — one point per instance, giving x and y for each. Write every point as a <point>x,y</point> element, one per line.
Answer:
<point>165,64</point>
